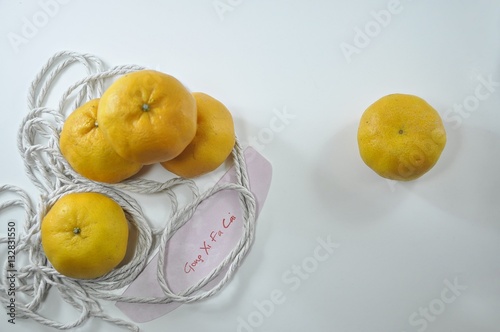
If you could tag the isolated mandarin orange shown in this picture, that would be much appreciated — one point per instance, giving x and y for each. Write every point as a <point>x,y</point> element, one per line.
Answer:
<point>401,137</point>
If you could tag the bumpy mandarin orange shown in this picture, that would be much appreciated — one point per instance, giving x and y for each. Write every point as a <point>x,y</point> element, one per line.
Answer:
<point>401,137</point>
<point>212,144</point>
<point>85,235</point>
<point>86,149</point>
<point>147,116</point>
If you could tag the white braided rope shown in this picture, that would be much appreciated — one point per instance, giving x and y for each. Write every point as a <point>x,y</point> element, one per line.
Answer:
<point>54,178</point>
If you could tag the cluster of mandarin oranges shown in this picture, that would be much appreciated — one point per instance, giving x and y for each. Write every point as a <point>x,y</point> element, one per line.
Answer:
<point>147,117</point>
<point>143,118</point>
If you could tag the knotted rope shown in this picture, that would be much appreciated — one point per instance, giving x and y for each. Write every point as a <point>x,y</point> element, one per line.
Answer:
<point>38,144</point>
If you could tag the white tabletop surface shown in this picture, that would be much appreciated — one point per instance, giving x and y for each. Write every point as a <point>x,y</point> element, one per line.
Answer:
<point>415,256</point>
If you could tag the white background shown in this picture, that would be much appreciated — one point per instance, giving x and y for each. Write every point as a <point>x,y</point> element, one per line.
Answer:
<point>399,242</point>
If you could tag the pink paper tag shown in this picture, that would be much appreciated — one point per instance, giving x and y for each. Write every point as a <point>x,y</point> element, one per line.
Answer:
<point>201,244</point>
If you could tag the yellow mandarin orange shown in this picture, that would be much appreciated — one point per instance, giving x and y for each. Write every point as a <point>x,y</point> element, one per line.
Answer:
<point>147,116</point>
<point>85,235</point>
<point>212,144</point>
<point>401,137</point>
<point>88,151</point>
